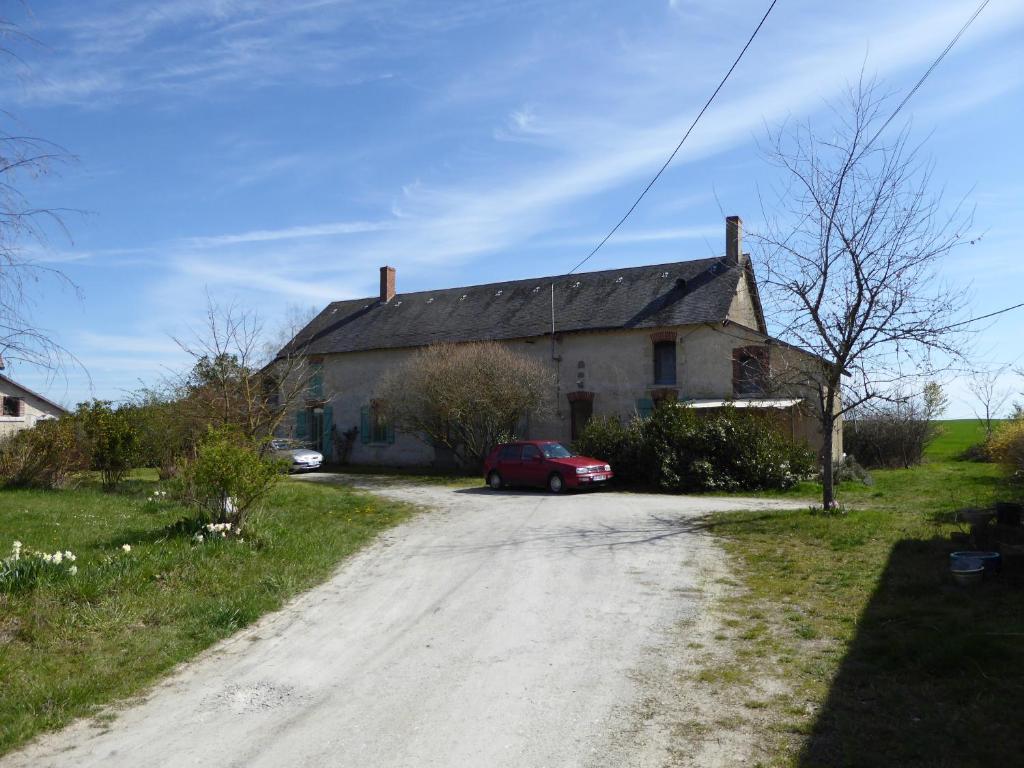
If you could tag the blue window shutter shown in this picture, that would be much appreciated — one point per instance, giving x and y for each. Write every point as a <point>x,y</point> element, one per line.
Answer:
<point>364,425</point>
<point>301,424</point>
<point>328,447</point>
<point>644,407</point>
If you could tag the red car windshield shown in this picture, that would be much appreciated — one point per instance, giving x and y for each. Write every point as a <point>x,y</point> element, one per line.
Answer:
<point>556,451</point>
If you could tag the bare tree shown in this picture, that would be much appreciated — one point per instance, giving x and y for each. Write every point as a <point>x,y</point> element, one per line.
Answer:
<point>25,228</point>
<point>850,259</point>
<point>990,396</point>
<point>237,379</point>
<point>465,398</point>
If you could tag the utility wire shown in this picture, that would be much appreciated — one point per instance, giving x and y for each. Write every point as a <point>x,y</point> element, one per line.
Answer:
<point>927,73</point>
<point>984,317</point>
<point>681,141</point>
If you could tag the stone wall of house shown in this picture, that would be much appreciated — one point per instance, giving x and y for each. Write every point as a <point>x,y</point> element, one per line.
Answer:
<point>31,410</point>
<point>613,370</point>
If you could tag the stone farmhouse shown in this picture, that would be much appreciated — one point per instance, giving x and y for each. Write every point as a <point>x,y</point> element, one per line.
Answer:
<point>22,408</point>
<point>620,342</point>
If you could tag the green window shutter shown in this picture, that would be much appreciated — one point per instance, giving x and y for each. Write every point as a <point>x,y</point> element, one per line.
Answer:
<point>364,425</point>
<point>391,434</point>
<point>301,424</point>
<point>644,407</point>
<point>328,433</point>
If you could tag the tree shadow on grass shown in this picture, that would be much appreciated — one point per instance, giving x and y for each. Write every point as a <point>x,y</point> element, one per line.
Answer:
<point>935,674</point>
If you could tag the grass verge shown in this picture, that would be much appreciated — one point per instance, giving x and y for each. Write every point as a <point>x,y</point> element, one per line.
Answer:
<point>72,644</point>
<point>848,644</point>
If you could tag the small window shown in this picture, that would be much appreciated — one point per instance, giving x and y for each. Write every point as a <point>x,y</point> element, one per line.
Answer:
<point>750,371</point>
<point>530,452</point>
<point>511,452</point>
<point>664,362</point>
<point>12,406</point>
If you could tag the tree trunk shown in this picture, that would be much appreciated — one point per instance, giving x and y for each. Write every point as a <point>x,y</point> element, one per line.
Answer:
<point>828,495</point>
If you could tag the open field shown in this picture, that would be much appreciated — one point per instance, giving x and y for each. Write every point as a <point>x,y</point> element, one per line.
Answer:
<point>873,656</point>
<point>955,437</point>
<point>127,618</point>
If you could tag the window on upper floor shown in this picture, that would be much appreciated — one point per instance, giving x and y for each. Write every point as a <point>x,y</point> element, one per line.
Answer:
<point>316,380</point>
<point>664,362</point>
<point>12,406</point>
<point>750,371</point>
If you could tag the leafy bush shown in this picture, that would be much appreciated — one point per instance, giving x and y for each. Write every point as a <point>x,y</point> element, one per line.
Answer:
<point>605,437</point>
<point>46,456</point>
<point>228,479</point>
<point>1007,447</point>
<point>678,449</point>
<point>110,440</point>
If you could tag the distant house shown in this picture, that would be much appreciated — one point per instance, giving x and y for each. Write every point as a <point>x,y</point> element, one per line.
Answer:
<point>619,341</point>
<point>22,408</point>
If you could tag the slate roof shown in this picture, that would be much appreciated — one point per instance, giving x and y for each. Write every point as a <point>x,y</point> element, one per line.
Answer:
<point>678,293</point>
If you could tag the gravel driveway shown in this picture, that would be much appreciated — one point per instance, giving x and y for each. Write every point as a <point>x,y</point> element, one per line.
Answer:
<point>497,629</point>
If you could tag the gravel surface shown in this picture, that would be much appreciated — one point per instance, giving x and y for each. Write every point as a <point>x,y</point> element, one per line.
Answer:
<point>496,629</point>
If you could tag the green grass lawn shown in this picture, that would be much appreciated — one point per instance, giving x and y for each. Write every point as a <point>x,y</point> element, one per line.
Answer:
<point>883,660</point>
<point>125,619</point>
<point>955,437</point>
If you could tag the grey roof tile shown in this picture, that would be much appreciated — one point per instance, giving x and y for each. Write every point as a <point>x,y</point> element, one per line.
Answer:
<point>635,297</point>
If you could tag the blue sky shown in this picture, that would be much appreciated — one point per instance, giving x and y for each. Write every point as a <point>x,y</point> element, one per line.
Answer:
<point>277,153</point>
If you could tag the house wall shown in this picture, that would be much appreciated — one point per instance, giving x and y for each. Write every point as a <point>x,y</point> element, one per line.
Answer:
<point>616,366</point>
<point>32,410</point>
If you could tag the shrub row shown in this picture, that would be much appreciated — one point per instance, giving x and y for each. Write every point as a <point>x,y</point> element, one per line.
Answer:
<point>678,449</point>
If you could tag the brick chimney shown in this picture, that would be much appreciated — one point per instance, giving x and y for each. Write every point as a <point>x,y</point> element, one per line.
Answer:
<point>733,240</point>
<point>387,284</point>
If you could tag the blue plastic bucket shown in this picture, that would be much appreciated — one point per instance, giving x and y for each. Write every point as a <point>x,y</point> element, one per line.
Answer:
<point>960,561</point>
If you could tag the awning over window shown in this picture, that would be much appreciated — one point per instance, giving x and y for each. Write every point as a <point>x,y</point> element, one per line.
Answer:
<point>745,402</point>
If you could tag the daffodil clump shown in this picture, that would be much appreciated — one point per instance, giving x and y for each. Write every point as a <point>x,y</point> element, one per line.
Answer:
<point>212,531</point>
<point>24,567</point>
<point>156,497</point>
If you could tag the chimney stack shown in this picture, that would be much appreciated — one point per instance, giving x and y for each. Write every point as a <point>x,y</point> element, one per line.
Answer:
<point>387,284</point>
<point>733,240</point>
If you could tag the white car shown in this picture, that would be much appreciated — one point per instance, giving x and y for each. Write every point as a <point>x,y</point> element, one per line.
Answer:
<point>301,458</point>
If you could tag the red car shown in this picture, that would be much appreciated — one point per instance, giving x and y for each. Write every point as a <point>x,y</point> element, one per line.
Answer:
<point>543,463</point>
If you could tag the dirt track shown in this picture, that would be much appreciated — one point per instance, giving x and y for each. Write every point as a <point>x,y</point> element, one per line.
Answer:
<point>510,629</point>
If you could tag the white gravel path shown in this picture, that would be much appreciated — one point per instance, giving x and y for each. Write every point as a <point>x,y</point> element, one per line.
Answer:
<point>496,629</point>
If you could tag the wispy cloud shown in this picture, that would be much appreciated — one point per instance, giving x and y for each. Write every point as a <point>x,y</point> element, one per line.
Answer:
<point>330,229</point>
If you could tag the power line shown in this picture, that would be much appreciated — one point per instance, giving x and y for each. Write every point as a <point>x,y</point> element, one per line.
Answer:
<point>927,73</point>
<point>984,317</point>
<point>681,141</point>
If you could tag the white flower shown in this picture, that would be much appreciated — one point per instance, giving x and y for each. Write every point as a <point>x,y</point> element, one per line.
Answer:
<point>126,547</point>
<point>69,555</point>
<point>73,570</point>
<point>198,537</point>
<point>17,544</point>
<point>57,557</point>
<point>47,558</point>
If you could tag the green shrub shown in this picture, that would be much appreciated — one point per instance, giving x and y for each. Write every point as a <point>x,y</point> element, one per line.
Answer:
<point>110,439</point>
<point>678,449</point>
<point>46,456</point>
<point>228,479</point>
<point>605,437</point>
<point>1007,447</point>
